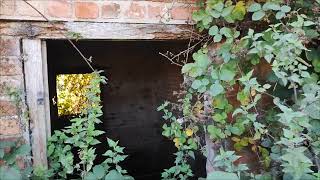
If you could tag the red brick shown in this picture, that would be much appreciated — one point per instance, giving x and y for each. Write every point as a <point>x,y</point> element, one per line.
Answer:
<point>9,46</point>
<point>24,9</point>
<point>10,66</point>
<point>7,108</point>
<point>9,127</point>
<point>154,11</point>
<point>181,13</point>
<point>6,7</point>
<point>136,11</point>
<point>86,10</point>
<point>110,10</point>
<point>59,8</point>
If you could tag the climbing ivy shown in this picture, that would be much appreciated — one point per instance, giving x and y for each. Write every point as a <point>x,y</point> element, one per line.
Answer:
<point>275,115</point>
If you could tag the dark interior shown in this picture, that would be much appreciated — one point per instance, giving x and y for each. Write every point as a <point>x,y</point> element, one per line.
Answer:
<point>139,80</point>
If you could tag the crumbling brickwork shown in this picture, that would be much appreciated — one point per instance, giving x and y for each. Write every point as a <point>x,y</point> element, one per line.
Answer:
<point>11,76</point>
<point>130,11</point>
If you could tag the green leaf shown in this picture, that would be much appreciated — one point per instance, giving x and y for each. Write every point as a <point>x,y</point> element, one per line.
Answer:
<point>213,30</point>
<point>191,154</point>
<point>226,74</point>
<point>285,8</point>
<point>187,67</point>
<point>216,89</point>
<point>128,177</point>
<point>219,6</point>
<point>90,176</point>
<point>97,132</point>
<point>201,59</point>
<point>196,84</point>
<point>199,15</point>
<point>114,175</point>
<point>268,57</point>
<point>111,143</point>
<point>258,15</point>
<point>10,173</point>
<point>227,11</point>
<point>94,142</point>
<point>215,14</point>
<point>205,81</point>
<point>214,74</point>
<point>239,11</point>
<point>217,38</point>
<point>313,110</point>
<point>254,7</point>
<point>98,171</point>
<point>220,117</point>
<point>221,175</point>
<point>215,133</point>
<point>280,15</point>
<point>23,150</point>
<point>271,6</point>
<point>313,54</point>
<point>227,32</point>
<point>311,33</point>
<point>308,23</point>
<point>207,20</point>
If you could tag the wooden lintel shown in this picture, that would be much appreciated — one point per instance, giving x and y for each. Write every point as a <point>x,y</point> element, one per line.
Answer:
<point>96,30</point>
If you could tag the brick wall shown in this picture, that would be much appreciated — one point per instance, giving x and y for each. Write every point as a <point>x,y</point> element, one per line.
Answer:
<point>11,76</point>
<point>128,11</point>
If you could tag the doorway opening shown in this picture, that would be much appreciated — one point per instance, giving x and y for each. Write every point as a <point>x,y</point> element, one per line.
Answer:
<point>139,80</point>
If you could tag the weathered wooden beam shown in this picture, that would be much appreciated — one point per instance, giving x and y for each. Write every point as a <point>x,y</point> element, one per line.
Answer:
<point>34,78</point>
<point>96,30</point>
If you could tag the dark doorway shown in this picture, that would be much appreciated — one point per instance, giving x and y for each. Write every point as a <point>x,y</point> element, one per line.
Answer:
<point>139,80</point>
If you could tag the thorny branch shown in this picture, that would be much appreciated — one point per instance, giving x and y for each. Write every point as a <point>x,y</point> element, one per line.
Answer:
<point>87,60</point>
<point>176,58</point>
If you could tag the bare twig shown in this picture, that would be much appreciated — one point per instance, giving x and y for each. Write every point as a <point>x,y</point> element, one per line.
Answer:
<point>170,59</point>
<point>87,60</point>
<point>174,58</point>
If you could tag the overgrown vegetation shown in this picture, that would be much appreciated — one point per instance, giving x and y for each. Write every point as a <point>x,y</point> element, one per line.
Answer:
<point>226,98</point>
<point>81,136</point>
<point>71,151</point>
<point>13,156</point>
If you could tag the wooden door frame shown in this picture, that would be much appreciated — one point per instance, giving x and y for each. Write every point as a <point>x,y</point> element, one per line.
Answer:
<point>34,36</point>
<point>37,96</point>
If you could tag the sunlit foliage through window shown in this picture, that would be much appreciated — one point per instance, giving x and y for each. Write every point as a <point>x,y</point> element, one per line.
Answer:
<point>71,91</point>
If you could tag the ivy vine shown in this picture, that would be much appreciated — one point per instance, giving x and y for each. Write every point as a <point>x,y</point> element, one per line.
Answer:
<point>276,116</point>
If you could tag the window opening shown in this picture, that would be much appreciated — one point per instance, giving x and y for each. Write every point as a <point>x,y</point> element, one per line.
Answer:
<point>71,93</point>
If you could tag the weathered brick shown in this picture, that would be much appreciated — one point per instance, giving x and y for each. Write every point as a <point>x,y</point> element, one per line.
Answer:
<point>111,10</point>
<point>86,10</point>
<point>9,127</point>
<point>59,8</point>
<point>10,66</point>
<point>136,11</point>
<point>9,46</point>
<point>6,7</point>
<point>181,13</point>
<point>9,82</point>
<point>7,108</point>
<point>154,11</point>
<point>24,9</point>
